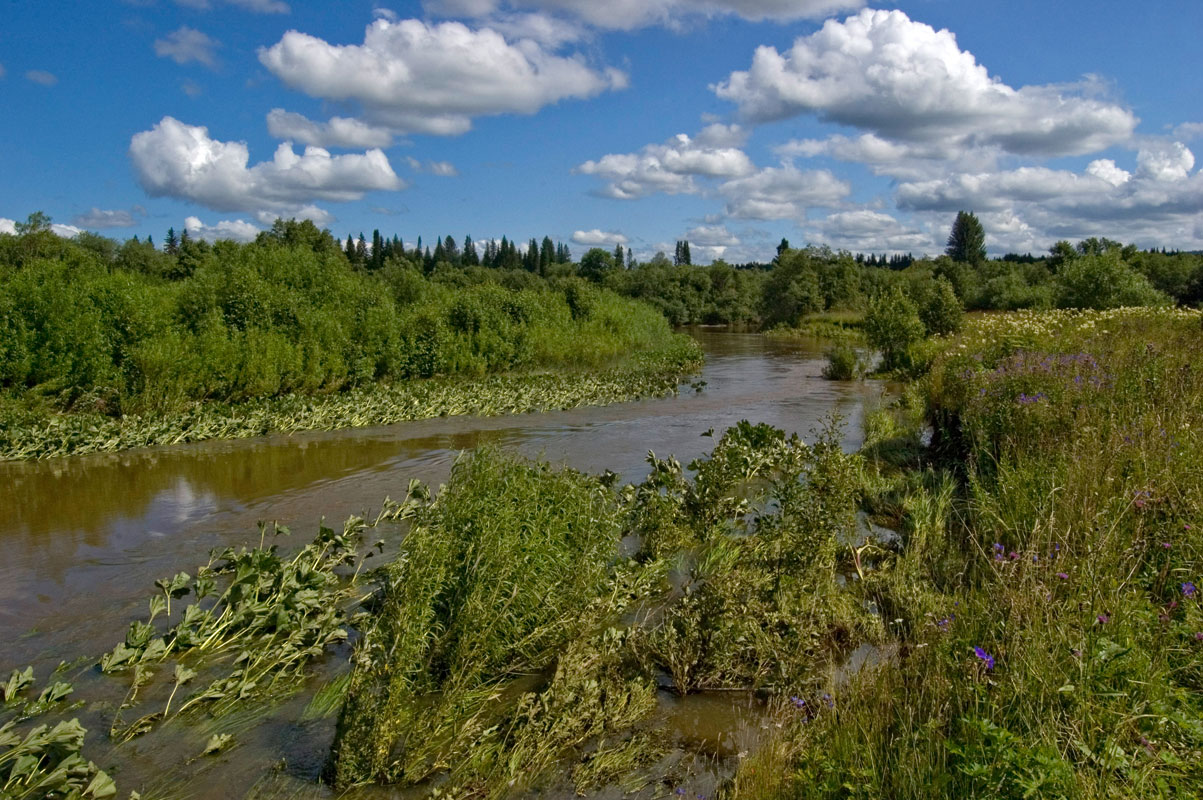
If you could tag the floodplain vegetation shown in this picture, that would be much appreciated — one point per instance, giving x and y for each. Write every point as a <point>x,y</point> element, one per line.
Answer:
<point>1034,630</point>
<point>105,348</point>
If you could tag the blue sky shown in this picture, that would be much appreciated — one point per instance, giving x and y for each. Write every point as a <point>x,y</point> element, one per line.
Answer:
<point>732,123</point>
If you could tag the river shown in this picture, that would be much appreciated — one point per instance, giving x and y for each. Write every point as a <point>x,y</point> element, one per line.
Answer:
<point>84,538</point>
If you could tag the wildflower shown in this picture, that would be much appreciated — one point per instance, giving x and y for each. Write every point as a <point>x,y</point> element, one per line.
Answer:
<point>1057,546</point>
<point>1199,636</point>
<point>1103,618</point>
<point>1188,589</point>
<point>1014,556</point>
<point>1166,545</point>
<point>798,702</point>
<point>829,701</point>
<point>680,791</point>
<point>1063,576</point>
<point>984,657</point>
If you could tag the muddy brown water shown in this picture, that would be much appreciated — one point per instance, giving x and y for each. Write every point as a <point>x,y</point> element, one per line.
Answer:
<point>83,539</point>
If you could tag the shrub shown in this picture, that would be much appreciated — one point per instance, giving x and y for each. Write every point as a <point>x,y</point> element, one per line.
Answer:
<point>893,326</point>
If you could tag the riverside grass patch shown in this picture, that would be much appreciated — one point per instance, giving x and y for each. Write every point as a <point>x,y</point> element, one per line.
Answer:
<point>26,435</point>
<point>1044,605</point>
<point>512,644</point>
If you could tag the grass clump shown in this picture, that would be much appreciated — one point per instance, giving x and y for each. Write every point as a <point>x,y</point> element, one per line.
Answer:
<point>512,643</point>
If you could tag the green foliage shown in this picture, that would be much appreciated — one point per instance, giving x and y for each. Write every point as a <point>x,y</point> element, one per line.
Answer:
<point>511,570</point>
<point>893,326</point>
<point>967,239</point>
<point>844,363</point>
<point>1044,602</point>
<point>1104,280</point>
<point>143,335</point>
<point>939,308</point>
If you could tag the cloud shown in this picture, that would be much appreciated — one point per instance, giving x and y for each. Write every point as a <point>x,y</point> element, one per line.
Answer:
<point>1159,203</point>
<point>443,169</point>
<point>178,160</point>
<point>631,14</point>
<point>902,160</point>
<point>904,81</point>
<point>98,219</point>
<point>256,6</point>
<point>238,230</point>
<point>414,77</point>
<point>869,231</point>
<point>783,192</point>
<point>670,168</point>
<point>337,132</point>
<point>1167,161</point>
<point>1186,132</point>
<point>599,238</point>
<point>188,44</point>
<point>8,225</point>
<point>41,77</point>
<point>711,236</point>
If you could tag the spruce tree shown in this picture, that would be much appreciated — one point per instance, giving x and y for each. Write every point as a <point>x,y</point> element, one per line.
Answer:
<point>547,255</point>
<point>967,240</point>
<point>173,244</point>
<point>620,255</point>
<point>470,257</point>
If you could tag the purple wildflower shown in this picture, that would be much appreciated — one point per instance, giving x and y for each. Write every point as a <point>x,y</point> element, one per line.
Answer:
<point>1103,618</point>
<point>798,702</point>
<point>1188,589</point>
<point>984,657</point>
<point>1166,545</point>
<point>1199,636</point>
<point>829,701</point>
<point>1063,576</point>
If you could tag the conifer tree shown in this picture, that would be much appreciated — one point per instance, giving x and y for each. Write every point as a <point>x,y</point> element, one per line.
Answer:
<point>619,255</point>
<point>173,243</point>
<point>967,240</point>
<point>547,255</point>
<point>470,257</point>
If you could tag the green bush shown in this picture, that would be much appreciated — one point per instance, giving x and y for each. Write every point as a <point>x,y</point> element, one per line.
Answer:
<point>893,326</point>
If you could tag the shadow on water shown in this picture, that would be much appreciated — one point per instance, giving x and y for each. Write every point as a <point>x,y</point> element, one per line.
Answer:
<point>85,538</point>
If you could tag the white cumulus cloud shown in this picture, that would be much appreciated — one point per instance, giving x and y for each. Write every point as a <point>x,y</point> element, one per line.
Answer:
<point>336,132</point>
<point>783,192</point>
<point>414,77</point>
<point>670,168</point>
<point>178,160</point>
<point>188,44</point>
<point>883,73</point>
<point>599,238</point>
<point>237,230</point>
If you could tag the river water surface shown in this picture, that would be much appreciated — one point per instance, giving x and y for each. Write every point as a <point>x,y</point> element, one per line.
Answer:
<point>83,539</point>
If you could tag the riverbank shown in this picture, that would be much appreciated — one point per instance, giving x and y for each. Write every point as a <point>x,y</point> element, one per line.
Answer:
<point>1043,605</point>
<point>26,435</point>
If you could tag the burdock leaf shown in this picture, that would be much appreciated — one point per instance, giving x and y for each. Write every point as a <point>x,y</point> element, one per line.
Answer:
<point>16,683</point>
<point>183,674</point>
<point>217,743</point>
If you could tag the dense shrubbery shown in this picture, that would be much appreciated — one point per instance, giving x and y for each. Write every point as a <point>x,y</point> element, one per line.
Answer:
<point>88,325</point>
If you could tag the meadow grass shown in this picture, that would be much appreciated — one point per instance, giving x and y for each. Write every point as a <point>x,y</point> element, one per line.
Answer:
<point>1044,603</point>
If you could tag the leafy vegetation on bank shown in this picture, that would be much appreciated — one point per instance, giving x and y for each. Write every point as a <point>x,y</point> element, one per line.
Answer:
<point>1044,600</point>
<point>31,434</point>
<point>104,347</point>
<point>513,643</point>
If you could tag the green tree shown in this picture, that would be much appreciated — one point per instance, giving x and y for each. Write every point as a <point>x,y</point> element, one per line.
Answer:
<point>596,263</point>
<point>893,326</point>
<point>967,240</point>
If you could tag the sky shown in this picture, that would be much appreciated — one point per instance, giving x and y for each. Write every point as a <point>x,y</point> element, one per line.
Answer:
<point>729,123</point>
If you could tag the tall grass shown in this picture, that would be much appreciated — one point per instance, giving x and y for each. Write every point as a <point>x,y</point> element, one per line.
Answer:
<point>1050,633</point>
